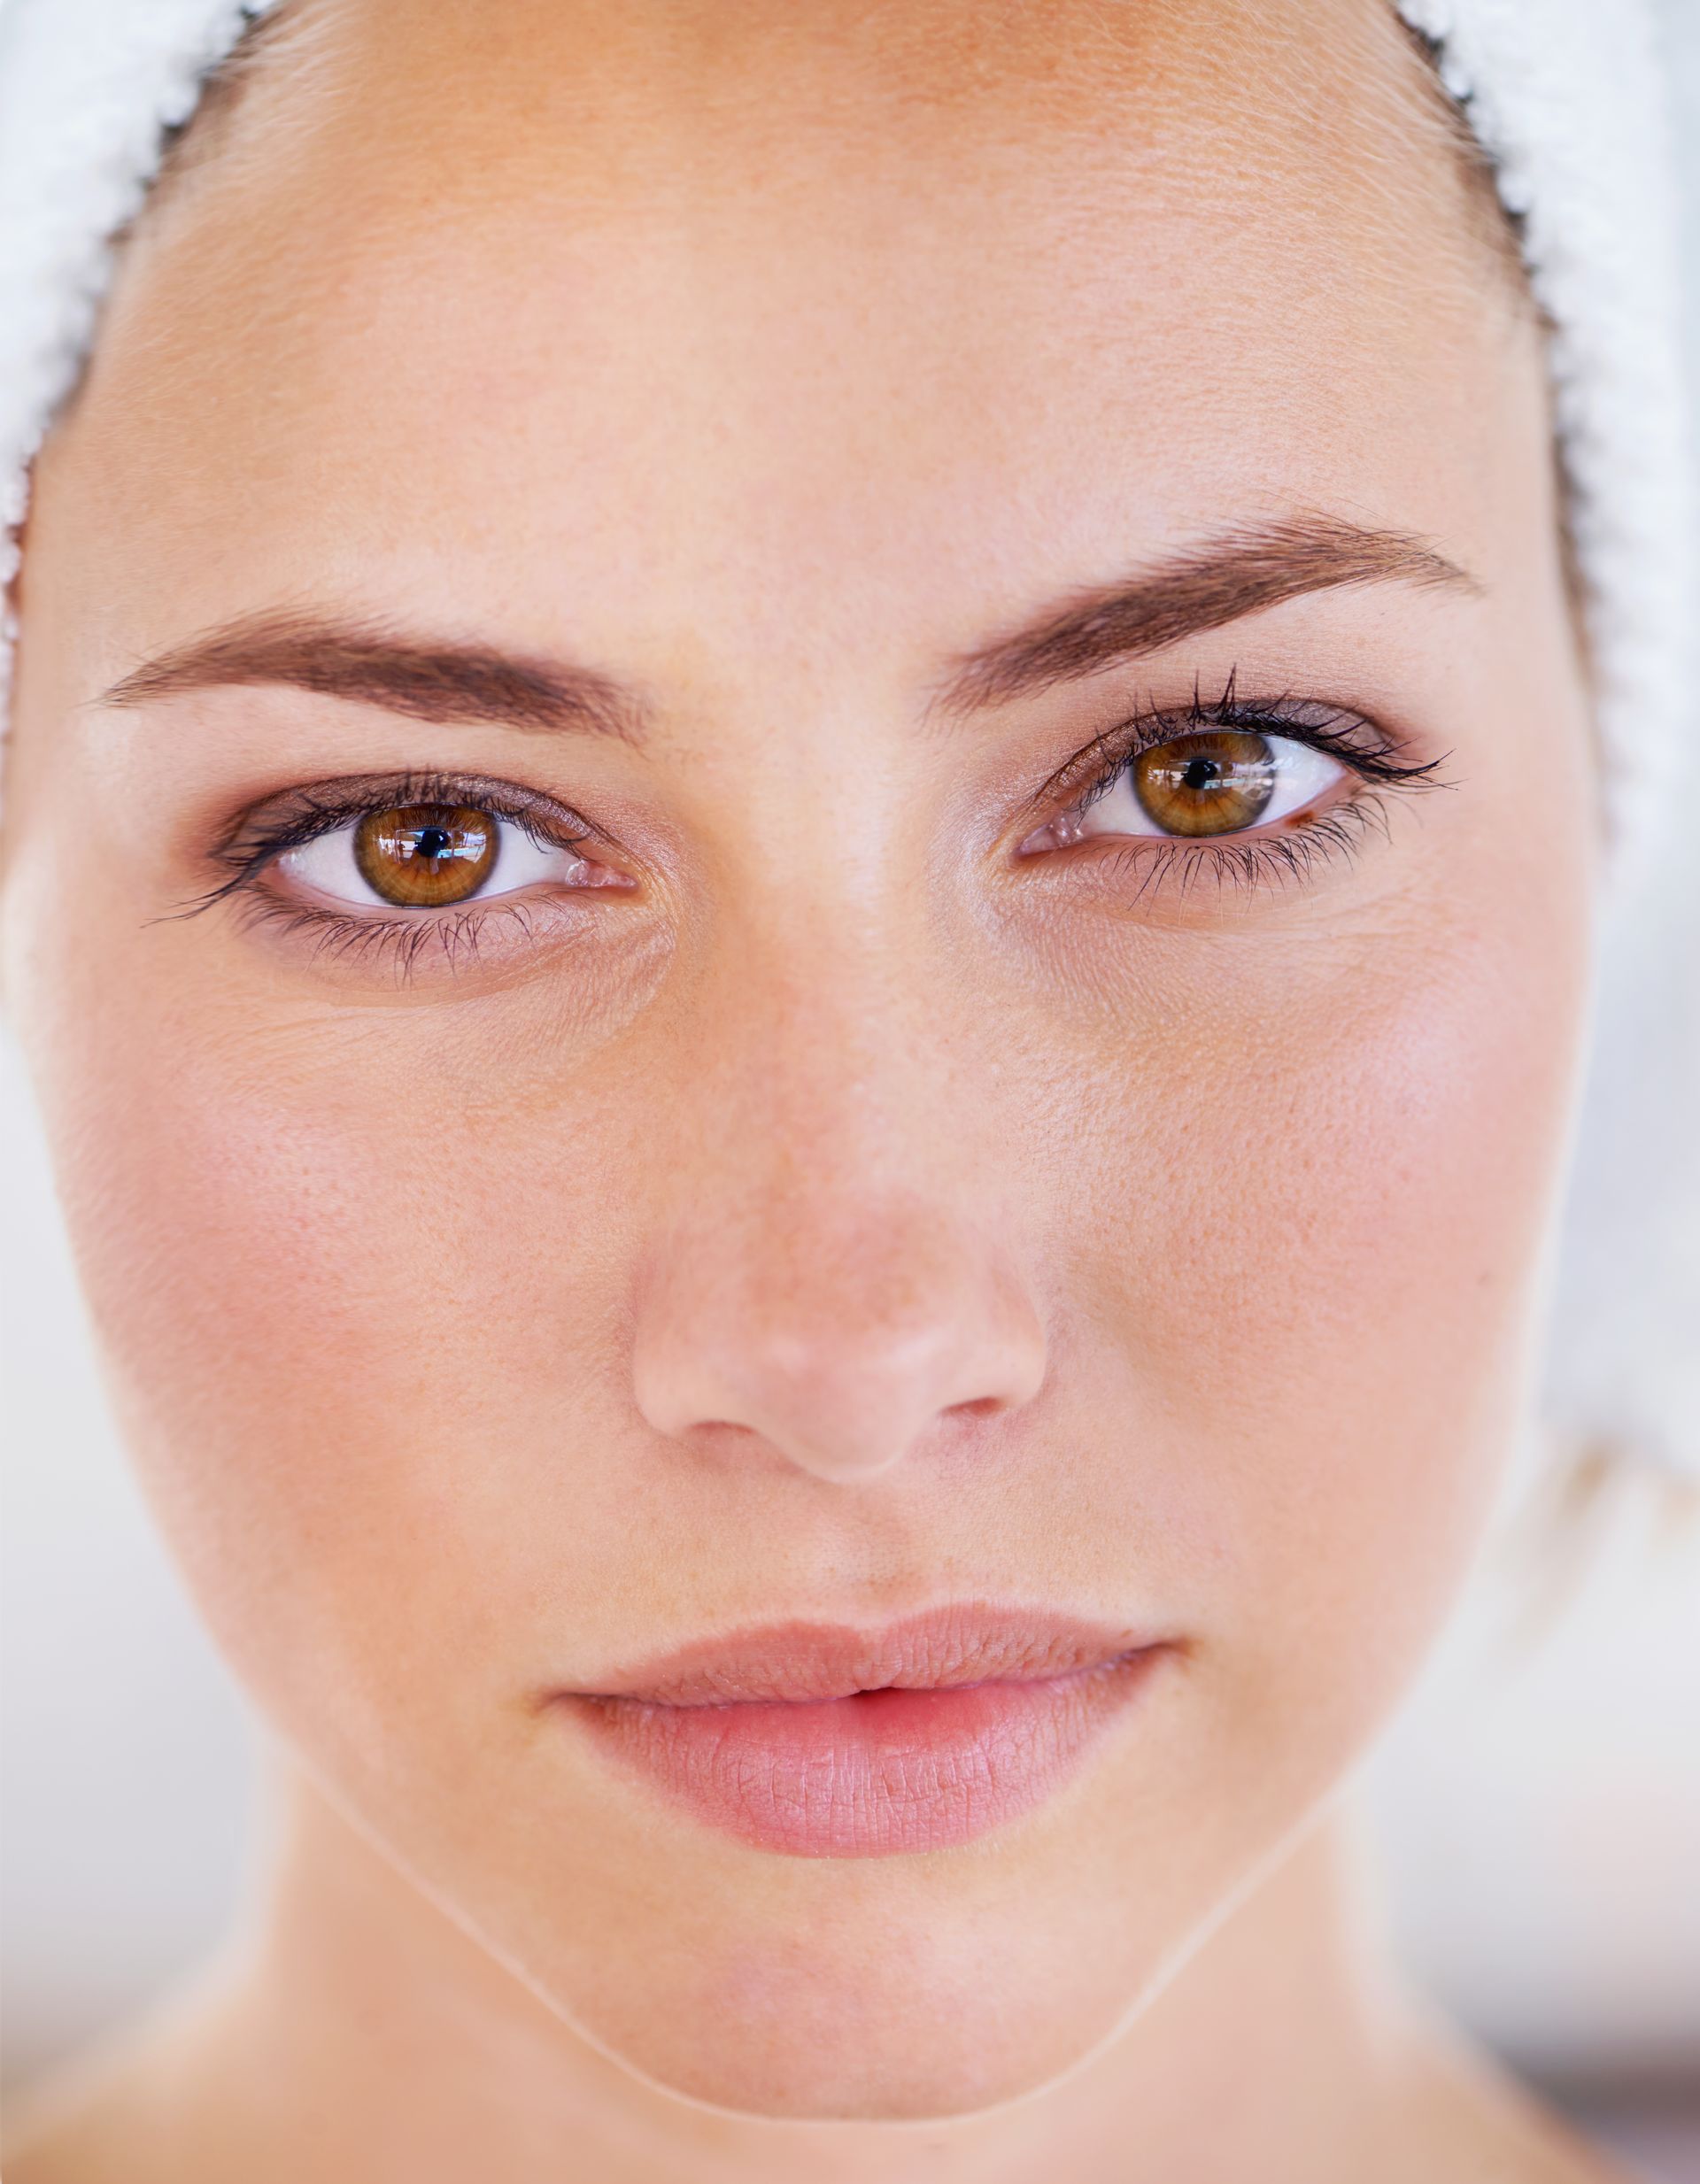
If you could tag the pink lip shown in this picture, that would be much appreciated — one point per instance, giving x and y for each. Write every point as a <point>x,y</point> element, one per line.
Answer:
<point>826,1741</point>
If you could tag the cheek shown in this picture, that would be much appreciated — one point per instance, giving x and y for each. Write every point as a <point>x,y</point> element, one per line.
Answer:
<point>1286,1196</point>
<point>359,1321</point>
<point>353,1316</point>
<point>1336,1183</point>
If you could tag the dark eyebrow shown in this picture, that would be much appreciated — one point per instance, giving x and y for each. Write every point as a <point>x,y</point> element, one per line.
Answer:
<point>1203,587</point>
<point>362,662</point>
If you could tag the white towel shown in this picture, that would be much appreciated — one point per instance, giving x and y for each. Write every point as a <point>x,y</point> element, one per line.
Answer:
<point>1568,99</point>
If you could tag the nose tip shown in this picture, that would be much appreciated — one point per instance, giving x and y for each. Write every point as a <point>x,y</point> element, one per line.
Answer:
<point>843,1367</point>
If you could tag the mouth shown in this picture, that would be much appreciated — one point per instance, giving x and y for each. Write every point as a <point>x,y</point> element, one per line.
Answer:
<point>822,1741</point>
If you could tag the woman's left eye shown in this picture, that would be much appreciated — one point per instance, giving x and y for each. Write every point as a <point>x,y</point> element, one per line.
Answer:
<point>428,857</point>
<point>1210,783</point>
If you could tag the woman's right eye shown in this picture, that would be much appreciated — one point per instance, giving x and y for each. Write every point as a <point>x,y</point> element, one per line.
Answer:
<point>428,857</point>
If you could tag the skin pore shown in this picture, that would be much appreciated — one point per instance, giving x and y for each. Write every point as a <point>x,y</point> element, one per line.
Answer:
<point>782,462</point>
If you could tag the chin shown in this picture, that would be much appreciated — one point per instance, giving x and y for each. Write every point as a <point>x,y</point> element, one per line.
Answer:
<point>836,2064</point>
<point>883,2022</point>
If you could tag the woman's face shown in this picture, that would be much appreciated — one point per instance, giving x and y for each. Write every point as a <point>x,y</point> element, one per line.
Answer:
<point>872,1144</point>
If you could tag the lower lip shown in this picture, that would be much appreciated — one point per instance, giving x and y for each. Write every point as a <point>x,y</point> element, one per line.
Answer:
<point>878,1772</point>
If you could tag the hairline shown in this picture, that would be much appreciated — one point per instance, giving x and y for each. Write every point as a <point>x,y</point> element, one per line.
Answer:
<point>196,144</point>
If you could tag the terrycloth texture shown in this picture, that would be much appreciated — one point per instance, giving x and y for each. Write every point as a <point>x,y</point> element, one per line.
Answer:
<point>1566,98</point>
<point>88,88</point>
<point>1571,100</point>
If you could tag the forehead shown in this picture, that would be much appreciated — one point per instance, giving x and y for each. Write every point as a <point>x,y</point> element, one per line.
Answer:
<point>713,292</point>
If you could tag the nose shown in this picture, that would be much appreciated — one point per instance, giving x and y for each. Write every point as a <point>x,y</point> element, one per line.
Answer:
<point>841,1335</point>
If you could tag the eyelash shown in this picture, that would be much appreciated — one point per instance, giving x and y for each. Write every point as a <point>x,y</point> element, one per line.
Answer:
<point>1285,858</point>
<point>306,815</point>
<point>1250,860</point>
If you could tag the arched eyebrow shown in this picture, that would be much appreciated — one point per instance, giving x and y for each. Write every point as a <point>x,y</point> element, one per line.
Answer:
<point>366,663</point>
<point>1203,587</point>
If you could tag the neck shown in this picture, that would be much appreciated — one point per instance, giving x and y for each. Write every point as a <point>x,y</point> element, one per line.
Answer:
<point>360,2034</point>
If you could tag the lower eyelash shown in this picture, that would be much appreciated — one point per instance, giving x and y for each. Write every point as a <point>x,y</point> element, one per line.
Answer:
<point>398,943</point>
<point>1260,861</point>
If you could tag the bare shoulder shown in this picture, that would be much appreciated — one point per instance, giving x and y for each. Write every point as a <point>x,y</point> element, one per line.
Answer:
<point>1479,2124</point>
<point>63,2134</point>
<point>94,2123</point>
<point>111,2116</point>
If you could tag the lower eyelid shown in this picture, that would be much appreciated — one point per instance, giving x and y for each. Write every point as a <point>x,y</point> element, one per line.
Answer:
<point>1138,870</point>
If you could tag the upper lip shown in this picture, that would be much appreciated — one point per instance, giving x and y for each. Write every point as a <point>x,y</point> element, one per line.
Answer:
<point>959,1643</point>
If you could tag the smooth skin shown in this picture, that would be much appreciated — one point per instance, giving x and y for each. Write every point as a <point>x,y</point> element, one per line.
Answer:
<point>831,1203</point>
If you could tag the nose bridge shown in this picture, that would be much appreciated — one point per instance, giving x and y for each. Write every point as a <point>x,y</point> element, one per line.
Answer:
<point>817,1049</point>
<point>824,1271</point>
<point>839,1081</point>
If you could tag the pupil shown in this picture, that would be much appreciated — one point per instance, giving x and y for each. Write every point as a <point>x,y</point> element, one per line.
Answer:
<point>433,842</point>
<point>1200,773</point>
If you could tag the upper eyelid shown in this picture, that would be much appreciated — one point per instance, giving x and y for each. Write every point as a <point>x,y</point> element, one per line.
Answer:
<point>297,817</point>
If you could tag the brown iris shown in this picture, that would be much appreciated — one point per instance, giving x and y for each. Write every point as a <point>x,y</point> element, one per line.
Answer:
<point>1214,781</point>
<point>421,855</point>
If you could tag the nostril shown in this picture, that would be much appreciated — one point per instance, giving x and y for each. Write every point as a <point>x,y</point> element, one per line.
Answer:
<point>712,1431</point>
<point>838,1361</point>
<point>979,1407</point>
